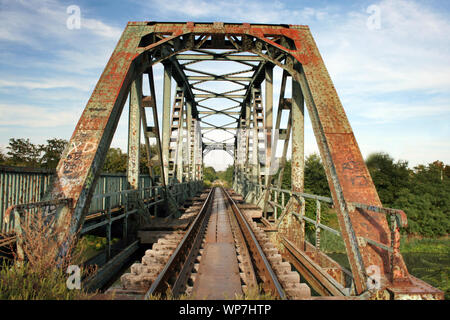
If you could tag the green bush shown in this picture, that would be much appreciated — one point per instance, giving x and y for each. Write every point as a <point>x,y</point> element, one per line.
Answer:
<point>23,282</point>
<point>40,273</point>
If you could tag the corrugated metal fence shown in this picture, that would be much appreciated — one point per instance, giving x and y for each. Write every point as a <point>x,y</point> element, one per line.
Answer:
<point>24,185</point>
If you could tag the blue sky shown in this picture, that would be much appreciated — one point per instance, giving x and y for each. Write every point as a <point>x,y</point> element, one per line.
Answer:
<point>394,81</point>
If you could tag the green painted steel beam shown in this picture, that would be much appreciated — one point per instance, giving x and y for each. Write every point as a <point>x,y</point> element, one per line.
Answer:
<point>134,133</point>
<point>218,57</point>
<point>218,95</point>
<point>219,78</point>
<point>166,120</point>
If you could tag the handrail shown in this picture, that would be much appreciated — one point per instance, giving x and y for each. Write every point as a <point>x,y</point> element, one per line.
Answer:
<point>107,195</point>
<point>398,217</point>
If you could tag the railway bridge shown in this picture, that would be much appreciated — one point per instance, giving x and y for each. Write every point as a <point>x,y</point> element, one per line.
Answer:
<point>218,242</point>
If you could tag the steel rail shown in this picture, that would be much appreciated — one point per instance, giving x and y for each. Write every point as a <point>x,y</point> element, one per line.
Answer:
<point>249,270</point>
<point>180,260</point>
<point>271,280</point>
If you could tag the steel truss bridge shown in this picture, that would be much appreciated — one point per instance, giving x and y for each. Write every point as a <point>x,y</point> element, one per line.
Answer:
<point>83,199</point>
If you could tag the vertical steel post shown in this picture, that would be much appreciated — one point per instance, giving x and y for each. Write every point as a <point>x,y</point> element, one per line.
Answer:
<point>254,160</point>
<point>268,123</point>
<point>166,119</point>
<point>317,224</point>
<point>179,147</point>
<point>269,119</point>
<point>134,133</point>
<point>108,228</point>
<point>190,174</point>
<point>248,167</point>
<point>283,104</point>
<point>194,146</point>
<point>298,152</point>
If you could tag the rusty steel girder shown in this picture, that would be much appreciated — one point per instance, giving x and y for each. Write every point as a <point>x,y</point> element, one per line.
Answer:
<point>290,47</point>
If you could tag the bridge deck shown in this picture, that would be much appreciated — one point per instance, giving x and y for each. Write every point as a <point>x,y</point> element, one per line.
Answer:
<point>218,274</point>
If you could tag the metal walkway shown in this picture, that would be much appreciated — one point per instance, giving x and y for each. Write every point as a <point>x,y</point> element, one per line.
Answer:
<point>218,274</point>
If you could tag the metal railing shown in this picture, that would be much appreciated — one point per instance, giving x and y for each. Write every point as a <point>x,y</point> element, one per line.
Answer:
<point>108,208</point>
<point>20,186</point>
<point>278,200</point>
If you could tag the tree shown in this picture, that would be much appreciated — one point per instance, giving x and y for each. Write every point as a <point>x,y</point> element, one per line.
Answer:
<point>286,180</point>
<point>21,152</point>
<point>52,152</point>
<point>227,175</point>
<point>389,177</point>
<point>3,158</point>
<point>447,172</point>
<point>209,174</point>
<point>423,193</point>
<point>115,162</point>
<point>143,160</point>
<point>315,177</point>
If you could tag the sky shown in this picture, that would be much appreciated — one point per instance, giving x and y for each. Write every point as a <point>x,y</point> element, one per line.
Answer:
<point>389,61</point>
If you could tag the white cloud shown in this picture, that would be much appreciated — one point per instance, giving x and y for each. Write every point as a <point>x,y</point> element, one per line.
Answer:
<point>37,117</point>
<point>101,29</point>
<point>390,112</point>
<point>48,64</point>
<point>239,11</point>
<point>29,22</point>
<point>45,84</point>
<point>409,52</point>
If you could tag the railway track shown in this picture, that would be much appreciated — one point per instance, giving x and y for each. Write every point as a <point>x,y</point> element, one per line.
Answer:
<point>223,254</point>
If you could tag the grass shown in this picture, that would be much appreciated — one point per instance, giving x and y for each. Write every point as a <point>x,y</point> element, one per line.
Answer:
<point>425,245</point>
<point>255,294</point>
<point>428,260</point>
<point>23,282</point>
<point>88,246</point>
<point>40,273</point>
<point>169,296</point>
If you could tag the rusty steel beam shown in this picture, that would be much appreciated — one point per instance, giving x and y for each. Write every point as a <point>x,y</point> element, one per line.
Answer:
<point>180,147</point>
<point>257,79</point>
<point>219,78</point>
<point>218,57</point>
<point>166,120</point>
<point>134,133</point>
<point>154,114</point>
<point>283,104</point>
<point>82,160</point>
<point>180,77</point>
<point>189,140</point>
<point>219,95</point>
<point>268,118</point>
<point>320,280</point>
<point>254,157</point>
<point>297,228</point>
